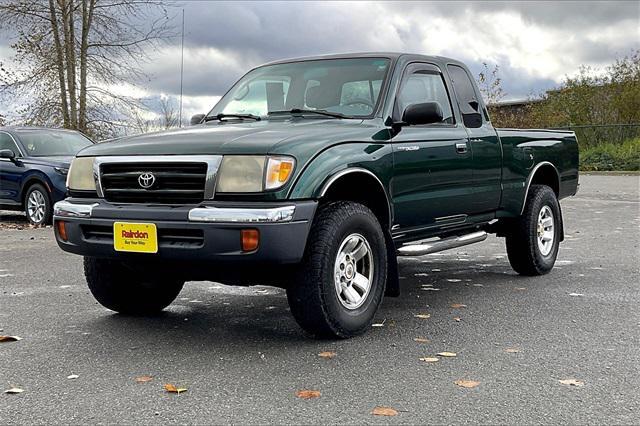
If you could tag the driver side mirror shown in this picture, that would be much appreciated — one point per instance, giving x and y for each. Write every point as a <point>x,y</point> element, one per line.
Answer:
<point>7,153</point>
<point>423,113</point>
<point>196,119</point>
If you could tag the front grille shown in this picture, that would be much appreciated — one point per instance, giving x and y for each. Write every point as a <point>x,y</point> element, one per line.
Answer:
<point>167,237</point>
<point>175,183</point>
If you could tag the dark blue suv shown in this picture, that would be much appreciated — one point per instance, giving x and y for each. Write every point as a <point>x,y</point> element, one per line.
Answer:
<point>34,162</point>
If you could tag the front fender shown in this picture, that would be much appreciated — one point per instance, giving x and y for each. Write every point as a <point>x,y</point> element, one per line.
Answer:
<point>376,158</point>
<point>53,182</point>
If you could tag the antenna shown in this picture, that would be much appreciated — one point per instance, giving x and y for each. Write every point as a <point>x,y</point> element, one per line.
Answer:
<point>181,69</point>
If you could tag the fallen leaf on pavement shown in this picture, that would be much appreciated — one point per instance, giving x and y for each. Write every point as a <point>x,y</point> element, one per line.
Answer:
<point>458,305</point>
<point>14,390</point>
<point>423,316</point>
<point>384,411</point>
<point>379,324</point>
<point>144,379</point>
<point>512,350</point>
<point>457,319</point>
<point>447,354</point>
<point>10,338</point>
<point>420,340</point>
<point>171,388</point>
<point>308,394</point>
<point>467,383</point>
<point>328,355</point>
<point>72,376</point>
<point>572,382</point>
<point>430,359</point>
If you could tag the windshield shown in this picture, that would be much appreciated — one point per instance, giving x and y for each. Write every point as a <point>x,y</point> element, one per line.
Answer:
<point>344,86</point>
<point>45,143</point>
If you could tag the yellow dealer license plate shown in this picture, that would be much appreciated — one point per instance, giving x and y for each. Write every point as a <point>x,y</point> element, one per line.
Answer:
<point>135,237</point>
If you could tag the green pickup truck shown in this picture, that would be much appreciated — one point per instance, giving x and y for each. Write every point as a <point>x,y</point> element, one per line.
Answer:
<point>313,175</point>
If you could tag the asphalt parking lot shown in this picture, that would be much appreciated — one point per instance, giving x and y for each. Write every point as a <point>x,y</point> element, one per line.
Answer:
<point>242,358</point>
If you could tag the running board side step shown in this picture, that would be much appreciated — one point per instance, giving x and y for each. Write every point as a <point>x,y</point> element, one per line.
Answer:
<point>443,244</point>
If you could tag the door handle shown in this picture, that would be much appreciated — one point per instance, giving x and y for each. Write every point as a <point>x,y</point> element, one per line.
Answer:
<point>461,148</point>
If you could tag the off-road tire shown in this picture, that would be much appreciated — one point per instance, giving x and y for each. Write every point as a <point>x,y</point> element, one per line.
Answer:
<point>521,240</point>
<point>47,215</point>
<point>313,297</point>
<point>131,290</point>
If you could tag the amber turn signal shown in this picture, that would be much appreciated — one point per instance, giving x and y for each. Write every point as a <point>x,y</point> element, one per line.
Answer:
<point>250,239</point>
<point>62,230</point>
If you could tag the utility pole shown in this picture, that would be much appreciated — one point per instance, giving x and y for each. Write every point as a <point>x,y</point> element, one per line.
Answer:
<point>181,69</point>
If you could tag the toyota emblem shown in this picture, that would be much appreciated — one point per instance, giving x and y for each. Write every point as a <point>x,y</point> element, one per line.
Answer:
<point>146,180</point>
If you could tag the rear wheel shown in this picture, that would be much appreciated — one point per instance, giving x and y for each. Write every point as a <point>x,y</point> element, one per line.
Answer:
<point>342,277</point>
<point>125,288</point>
<point>37,205</point>
<point>534,240</point>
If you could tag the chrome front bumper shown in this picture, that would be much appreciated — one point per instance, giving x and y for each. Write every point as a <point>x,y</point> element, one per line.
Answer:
<point>66,209</point>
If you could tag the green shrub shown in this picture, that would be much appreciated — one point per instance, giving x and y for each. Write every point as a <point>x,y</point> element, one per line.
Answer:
<point>611,157</point>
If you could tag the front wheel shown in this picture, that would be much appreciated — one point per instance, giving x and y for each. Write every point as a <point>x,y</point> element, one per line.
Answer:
<point>125,288</point>
<point>534,240</point>
<point>37,205</point>
<point>342,276</point>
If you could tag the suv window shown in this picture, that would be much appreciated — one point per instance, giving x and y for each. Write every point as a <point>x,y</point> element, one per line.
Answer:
<point>466,95</point>
<point>425,86</point>
<point>6,142</point>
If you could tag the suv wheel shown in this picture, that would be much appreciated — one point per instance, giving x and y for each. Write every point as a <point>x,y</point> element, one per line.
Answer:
<point>342,277</point>
<point>534,240</point>
<point>124,288</point>
<point>37,205</point>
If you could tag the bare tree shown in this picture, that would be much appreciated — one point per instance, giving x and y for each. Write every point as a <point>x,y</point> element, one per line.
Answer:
<point>490,84</point>
<point>168,116</point>
<point>69,54</point>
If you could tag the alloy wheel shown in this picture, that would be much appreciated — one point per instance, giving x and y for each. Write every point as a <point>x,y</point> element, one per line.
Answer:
<point>353,271</point>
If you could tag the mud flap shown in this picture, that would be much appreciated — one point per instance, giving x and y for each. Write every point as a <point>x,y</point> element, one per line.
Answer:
<point>392,288</point>
<point>561,222</point>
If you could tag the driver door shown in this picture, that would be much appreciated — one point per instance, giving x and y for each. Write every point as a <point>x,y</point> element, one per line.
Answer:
<point>432,181</point>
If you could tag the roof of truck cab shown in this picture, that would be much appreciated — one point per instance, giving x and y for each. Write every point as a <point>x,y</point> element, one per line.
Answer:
<point>390,55</point>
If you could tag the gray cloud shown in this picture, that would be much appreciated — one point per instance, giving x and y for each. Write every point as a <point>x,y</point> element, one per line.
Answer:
<point>535,43</point>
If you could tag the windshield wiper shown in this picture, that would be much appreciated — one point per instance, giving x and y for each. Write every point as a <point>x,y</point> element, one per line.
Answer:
<point>310,111</point>
<point>221,116</point>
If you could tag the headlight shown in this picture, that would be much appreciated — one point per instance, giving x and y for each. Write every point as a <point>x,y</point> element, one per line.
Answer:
<point>80,176</point>
<point>246,173</point>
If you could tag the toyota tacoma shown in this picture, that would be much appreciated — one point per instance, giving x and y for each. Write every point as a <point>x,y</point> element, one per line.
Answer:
<point>313,175</point>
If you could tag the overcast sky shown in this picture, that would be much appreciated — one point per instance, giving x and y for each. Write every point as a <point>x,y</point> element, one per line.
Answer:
<point>535,43</point>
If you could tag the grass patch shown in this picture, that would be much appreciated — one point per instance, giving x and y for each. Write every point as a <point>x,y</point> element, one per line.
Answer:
<point>611,157</point>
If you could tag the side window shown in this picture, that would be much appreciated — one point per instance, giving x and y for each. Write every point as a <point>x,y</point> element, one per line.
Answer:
<point>6,142</point>
<point>466,95</point>
<point>422,87</point>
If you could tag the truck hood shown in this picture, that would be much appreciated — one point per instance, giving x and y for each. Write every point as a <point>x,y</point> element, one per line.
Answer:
<point>299,137</point>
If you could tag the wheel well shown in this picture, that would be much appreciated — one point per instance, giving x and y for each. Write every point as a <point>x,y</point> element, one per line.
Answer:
<point>28,184</point>
<point>547,175</point>
<point>362,188</point>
